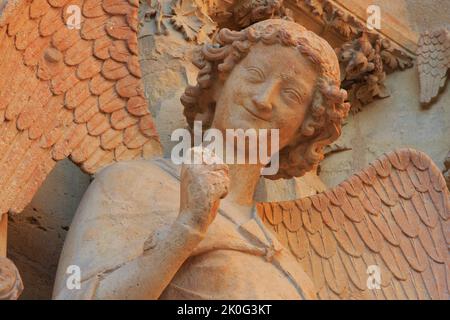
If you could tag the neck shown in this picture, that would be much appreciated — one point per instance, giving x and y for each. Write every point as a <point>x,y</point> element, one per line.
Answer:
<point>243,181</point>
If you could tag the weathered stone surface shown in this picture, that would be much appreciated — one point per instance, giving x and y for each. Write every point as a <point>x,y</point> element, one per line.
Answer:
<point>11,285</point>
<point>406,124</point>
<point>388,124</point>
<point>36,236</point>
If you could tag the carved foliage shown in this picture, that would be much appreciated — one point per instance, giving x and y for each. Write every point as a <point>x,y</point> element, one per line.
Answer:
<point>188,16</point>
<point>364,63</point>
<point>248,12</point>
<point>344,24</point>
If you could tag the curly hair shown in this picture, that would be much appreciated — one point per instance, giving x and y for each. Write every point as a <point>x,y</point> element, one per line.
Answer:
<point>328,109</point>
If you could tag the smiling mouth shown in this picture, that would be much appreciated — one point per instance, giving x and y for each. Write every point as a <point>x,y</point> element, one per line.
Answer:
<point>258,116</point>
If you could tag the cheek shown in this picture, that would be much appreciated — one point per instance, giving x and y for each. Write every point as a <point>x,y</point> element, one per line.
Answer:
<point>289,123</point>
<point>239,93</point>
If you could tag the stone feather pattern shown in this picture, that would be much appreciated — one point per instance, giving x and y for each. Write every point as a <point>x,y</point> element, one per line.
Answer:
<point>68,91</point>
<point>393,215</point>
<point>433,59</point>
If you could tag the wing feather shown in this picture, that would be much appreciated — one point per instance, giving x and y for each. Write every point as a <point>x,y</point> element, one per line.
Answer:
<point>393,214</point>
<point>433,62</point>
<point>68,92</point>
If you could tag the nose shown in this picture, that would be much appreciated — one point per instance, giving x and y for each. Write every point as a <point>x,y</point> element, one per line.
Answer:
<point>263,99</point>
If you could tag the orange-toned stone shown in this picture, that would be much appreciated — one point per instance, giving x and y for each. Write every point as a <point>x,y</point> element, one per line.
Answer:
<point>77,94</point>
<point>89,68</point>
<point>65,38</point>
<point>111,138</point>
<point>51,22</point>
<point>119,51</point>
<point>79,52</point>
<point>94,28</point>
<point>35,51</point>
<point>109,101</point>
<point>85,149</point>
<point>129,86</point>
<point>38,8</point>
<point>99,159</point>
<point>57,3</point>
<point>132,44</point>
<point>99,84</point>
<point>86,110</point>
<point>123,153</point>
<point>65,80</point>
<point>116,6</point>
<point>55,133</point>
<point>137,106</point>
<point>134,66</point>
<point>49,114</point>
<point>101,47</point>
<point>147,126</point>
<point>92,9</point>
<point>114,70</point>
<point>27,34</point>
<point>117,27</point>
<point>98,124</point>
<point>133,138</point>
<point>132,20</point>
<point>121,119</point>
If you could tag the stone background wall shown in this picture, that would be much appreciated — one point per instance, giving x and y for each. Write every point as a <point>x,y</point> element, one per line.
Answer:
<point>400,120</point>
<point>395,122</point>
<point>36,236</point>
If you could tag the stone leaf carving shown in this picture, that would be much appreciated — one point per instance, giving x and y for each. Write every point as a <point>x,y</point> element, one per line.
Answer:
<point>190,17</point>
<point>365,58</point>
<point>240,14</point>
<point>433,58</point>
<point>250,11</point>
<point>11,285</point>
<point>343,23</point>
<point>364,63</point>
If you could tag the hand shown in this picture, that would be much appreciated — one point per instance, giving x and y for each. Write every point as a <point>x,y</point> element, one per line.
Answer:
<point>202,187</point>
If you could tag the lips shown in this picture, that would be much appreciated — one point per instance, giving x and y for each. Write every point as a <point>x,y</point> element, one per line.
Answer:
<point>264,117</point>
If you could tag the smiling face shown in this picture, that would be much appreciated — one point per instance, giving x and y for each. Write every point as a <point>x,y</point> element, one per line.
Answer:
<point>271,88</point>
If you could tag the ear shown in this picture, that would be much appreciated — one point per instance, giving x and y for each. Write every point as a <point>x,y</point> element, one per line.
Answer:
<point>323,139</point>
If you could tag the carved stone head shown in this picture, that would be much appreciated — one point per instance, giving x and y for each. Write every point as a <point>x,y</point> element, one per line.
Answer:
<point>274,74</point>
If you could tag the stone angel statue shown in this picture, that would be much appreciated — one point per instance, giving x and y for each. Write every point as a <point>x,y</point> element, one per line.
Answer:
<point>148,229</point>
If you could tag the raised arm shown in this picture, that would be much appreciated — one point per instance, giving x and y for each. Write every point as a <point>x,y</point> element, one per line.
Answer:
<point>112,223</point>
<point>202,187</point>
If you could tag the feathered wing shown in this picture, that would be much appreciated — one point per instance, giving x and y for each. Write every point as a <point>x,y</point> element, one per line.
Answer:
<point>68,92</point>
<point>433,59</point>
<point>393,215</point>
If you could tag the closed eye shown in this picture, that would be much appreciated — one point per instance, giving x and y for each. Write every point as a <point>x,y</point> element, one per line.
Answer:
<point>293,95</point>
<point>255,74</point>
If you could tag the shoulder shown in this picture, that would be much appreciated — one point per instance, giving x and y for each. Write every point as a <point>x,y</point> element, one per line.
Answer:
<point>134,179</point>
<point>134,171</point>
<point>125,203</point>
